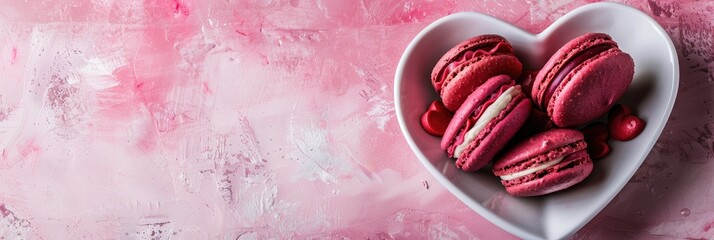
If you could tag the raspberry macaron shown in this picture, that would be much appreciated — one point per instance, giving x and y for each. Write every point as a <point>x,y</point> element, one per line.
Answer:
<point>583,80</point>
<point>544,163</point>
<point>487,120</point>
<point>469,64</point>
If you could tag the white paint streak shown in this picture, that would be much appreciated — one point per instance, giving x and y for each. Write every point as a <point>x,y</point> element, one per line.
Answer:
<point>97,71</point>
<point>312,149</point>
<point>258,203</point>
<point>381,111</point>
<point>543,10</point>
<point>441,231</point>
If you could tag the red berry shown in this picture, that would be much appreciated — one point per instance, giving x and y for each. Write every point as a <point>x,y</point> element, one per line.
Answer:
<point>436,119</point>
<point>624,126</point>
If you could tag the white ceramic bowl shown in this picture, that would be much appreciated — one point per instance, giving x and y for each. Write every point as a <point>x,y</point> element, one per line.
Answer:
<point>561,214</point>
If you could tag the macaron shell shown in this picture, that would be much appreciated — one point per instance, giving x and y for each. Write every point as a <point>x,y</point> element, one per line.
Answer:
<point>554,181</point>
<point>567,51</point>
<point>473,101</point>
<point>591,89</point>
<point>534,146</point>
<point>495,136</point>
<point>457,89</point>
<point>456,51</point>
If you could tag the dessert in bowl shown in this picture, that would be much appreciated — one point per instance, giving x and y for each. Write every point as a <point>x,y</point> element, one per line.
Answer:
<point>651,94</point>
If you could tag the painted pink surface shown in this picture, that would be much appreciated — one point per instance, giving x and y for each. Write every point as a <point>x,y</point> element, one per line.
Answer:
<point>254,119</point>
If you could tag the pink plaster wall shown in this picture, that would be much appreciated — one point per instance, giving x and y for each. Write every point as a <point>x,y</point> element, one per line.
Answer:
<point>179,119</point>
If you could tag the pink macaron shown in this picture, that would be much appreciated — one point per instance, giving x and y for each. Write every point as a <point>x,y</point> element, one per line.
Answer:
<point>583,80</point>
<point>544,163</point>
<point>469,64</point>
<point>486,121</point>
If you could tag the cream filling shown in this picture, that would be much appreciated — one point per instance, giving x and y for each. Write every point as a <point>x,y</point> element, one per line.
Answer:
<point>531,170</point>
<point>491,112</point>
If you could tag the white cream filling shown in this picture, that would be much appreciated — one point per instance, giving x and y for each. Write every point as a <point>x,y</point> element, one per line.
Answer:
<point>531,170</point>
<point>491,112</point>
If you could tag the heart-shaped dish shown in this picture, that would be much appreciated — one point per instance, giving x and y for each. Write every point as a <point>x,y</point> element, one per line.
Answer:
<point>559,215</point>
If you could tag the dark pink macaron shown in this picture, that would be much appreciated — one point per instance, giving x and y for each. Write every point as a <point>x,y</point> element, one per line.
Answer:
<point>544,163</point>
<point>583,80</point>
<point>469,64</point>
<point>486,121</point>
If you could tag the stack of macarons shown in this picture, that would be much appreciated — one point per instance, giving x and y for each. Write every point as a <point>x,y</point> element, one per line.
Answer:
<point>526,123</point>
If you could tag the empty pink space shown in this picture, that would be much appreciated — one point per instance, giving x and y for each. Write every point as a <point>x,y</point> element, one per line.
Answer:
<point>184,119</point>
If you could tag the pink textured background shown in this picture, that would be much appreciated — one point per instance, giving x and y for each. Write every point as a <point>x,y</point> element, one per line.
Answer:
<point>180,119</point>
